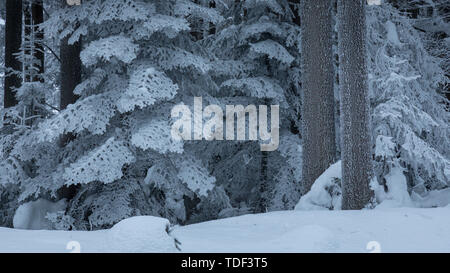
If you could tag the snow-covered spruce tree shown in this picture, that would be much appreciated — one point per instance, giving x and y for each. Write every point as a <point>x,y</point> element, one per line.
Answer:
<point>140,61</point>
<point>356,147</point>
<point>410,126</point>
<point>431,19</point>
<point>256,62</point>
<point>318,133</point>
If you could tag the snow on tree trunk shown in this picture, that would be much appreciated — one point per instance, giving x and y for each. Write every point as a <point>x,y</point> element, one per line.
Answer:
<point>355,138</point>
<point>13,40</point>
<point>319,148</point>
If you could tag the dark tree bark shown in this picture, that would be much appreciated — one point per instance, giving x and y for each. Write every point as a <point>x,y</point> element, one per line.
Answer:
<point>37,11</point>
<point>27,40</point>
<point>263,186</point>
<point>70,77</point>
<point>70,71</point>
<point>212,27</point>
<point>13,41</point>
<point>318,132</point>
<point>355,137</point>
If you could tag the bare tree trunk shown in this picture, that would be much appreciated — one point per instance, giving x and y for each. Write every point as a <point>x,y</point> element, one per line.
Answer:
<point>27,41</point>
<point>70,71</point>
<point>263,186</point>
<point>70,77</point>
<point>355,137</point>
<point>319,144</point>
<point>13,41</point>
<point>37,11</point>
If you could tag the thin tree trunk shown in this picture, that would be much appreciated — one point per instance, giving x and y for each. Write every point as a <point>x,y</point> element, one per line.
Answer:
<point>13,41</point>
<point>37,11</point>
<point>355,137</point>
<point>319,144</point>
<point>27,42</point>
<point>263,187</point>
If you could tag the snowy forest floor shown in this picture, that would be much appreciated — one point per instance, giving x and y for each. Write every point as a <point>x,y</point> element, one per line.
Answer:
<point>393,230</point>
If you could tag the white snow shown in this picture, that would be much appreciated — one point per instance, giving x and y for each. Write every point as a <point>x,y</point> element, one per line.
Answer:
<point>32,215</point>
<point>397,195</point>
<point>394,230</point>
<point>319,196</point>
<point>436,198</point>
<point>325,193</point>
<point>141,234</point>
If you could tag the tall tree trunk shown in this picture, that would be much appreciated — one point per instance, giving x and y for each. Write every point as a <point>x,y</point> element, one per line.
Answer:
<point>319,144</point>
<point>13,41</point>
<point>37,11</point>
<point>70,73</point>
<point>27,41</point>
<point>294,90</point>
<point>355,137</point>
<point>70,77</point>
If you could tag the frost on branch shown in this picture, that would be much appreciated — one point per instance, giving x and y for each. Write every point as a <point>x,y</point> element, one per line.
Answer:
<point>11,172</point>
<point>192,172</point>
<point>287,189</point>
<point>168,25</point>
<point>272,49</point>
<point>92,114</point>
<point>156,135</point>
<point>146,87</point>
<point>105,49</point>
<point>261,27</point>
<point>260,87</point>
<point>178,59</point>
<point>101,164</point>
<point>189,9</point>
<point>264,4</point>
<point>98,75</point>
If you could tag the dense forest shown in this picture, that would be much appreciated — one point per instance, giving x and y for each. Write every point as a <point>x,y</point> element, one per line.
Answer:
<point>88,88</point>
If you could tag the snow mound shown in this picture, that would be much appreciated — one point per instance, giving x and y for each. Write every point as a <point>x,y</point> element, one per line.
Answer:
<point>325,193</point>
<point>32,215</point>
<point>141,234</point>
